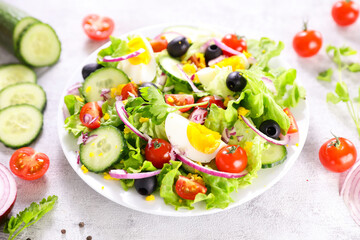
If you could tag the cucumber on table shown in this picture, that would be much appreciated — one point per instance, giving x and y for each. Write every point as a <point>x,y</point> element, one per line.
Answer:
<point>100,79</point>
<point>20,125</point>
<point>39,42</point>
<point>273,156</point>
<point>15,73</point>
<point>103,150</point>
<point>21,93</point>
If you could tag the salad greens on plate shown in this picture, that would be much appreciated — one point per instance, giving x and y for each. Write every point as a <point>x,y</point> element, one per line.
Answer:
<point>190,114</point>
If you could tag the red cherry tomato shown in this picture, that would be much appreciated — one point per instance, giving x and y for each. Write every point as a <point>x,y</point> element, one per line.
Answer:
<point>293,125</point>
<point>345,13</point>
<point>235,42</point>
<point>90,115</point>
<point>231,158</point>
<point>188,189</point>
<point>211,100</point>
<point>98,28</point>
<point>28,164</point>
<point>180,100</point>
<point>159,44</point>
<point>158,151</point>
<point>129,89</point>
<point>307,43</point>
<point>337,155</point>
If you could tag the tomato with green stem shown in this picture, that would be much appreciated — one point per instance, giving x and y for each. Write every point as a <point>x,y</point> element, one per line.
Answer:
<point>232,159</point>
<point>158,152</point>
<point>345,12</point>
<point>234,41</point>
<point>307,43</point>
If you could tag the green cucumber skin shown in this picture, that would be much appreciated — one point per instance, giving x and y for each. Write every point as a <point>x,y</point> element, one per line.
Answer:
<point>277,161</point>
<point>16,38</point>
<point>9,17</point>
<point>31,140</point>
<point>19,48</point>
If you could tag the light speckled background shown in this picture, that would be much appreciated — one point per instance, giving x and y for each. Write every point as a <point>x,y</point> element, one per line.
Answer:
<point>305,204</point>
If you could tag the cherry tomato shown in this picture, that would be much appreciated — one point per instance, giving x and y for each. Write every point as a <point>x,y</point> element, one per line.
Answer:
<point>128,90</point>
<point>345,13</point>
<point>158,151</point>
<point>307,43</point>
<point>188,189</point>
<point>159,44</point>
<point>293,125</point>
<point>337,154</point>
<point>231,158</point>
<point>28,164</point>
<point>98,28</point>
<point>235,42</point>
<point>179,100</point>
<point>90,115</point>
<point>211,100</point>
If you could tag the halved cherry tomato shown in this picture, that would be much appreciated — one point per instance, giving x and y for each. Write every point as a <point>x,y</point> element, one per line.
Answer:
<point>179,100</point>
<point>158,151</point>
<point>235,42</point>
<point>188,189</point>
<point>211,100</point>
<point>338,154</point>
<point>128,90</point>
<point>90,115</point>
<point>98,28</point>
<point>293,125</point>
<point>159,44</point>
<point>231,158</point>
<point>28,164</point>
<point>345,12</point>
<point>307,43</point>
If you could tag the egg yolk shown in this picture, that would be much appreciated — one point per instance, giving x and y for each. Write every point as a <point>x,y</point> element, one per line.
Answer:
<point>235,62</point>
<point>135,44</point>
<point>203,139</point>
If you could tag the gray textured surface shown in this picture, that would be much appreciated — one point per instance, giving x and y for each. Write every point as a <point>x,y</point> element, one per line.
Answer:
<point>304,205</point>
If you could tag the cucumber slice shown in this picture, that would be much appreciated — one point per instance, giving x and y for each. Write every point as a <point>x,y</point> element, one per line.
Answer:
<point>169,66</point>
<point>39,45</point>
<point>273,156</point>
<point>21,93</point>
<point>20,27</point>
<point>102,151</point>
<point>193,33</point>
<point>15,73</point>
<point>20,125</point>
<point>100,79</point>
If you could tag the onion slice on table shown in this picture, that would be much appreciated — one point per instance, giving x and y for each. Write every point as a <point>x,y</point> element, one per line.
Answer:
<point>8,192</point>
<point>350,191</point>
<point>120,109</point>
<point>125,57</point>
<point>284,141</point>
<point>192,85</point>
<point>209,171</point>
<point>122,174</point>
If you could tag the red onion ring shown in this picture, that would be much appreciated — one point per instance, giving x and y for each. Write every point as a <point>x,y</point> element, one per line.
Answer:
<point>9,192</point>
<point>198,115</point>
<point>125,57</point>
<point>122,174</point>
<point>216,60</point>
<point>74,89</point>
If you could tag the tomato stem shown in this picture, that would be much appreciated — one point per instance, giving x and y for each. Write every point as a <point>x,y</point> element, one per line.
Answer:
<point>305,25</point>
<point>337,142</point>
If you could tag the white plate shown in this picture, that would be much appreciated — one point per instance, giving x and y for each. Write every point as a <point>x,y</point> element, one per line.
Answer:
<point>112,190</point>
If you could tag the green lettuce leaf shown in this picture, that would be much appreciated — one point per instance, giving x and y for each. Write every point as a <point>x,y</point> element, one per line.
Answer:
<point>148,127</point>
<point>114,119</point>
<point>216,85</point>
<point>117,48</point>
<point>73,104</point>
<point>73,125</point>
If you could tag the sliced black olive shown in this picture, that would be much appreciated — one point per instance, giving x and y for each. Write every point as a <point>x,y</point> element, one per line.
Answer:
<point>178,46</point>
<point>212,52</point>
<point>236,82</point>
<point>270,128</point>
<point>90,68</point>
<point>146,186</point>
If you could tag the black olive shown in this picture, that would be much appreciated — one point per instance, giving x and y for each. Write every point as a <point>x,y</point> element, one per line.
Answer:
<point>178,46</point>
<point>146,186</point>
<point>236,82</point>
<point>270,128</point>
<point>90,68</point>
<point>212,52</point>
<point>147,84</point>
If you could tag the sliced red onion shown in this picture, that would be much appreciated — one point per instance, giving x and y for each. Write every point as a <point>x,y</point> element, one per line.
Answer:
<point>239,138</point>
<point>210,171</point>
<point>216,60</point>
<point>161,80</point>
<point>350,191</point>
<point>198,115</point>
<point>122,114</point>
<point>122,174</point>
<point>216,97</point>
<point>118,98</point>
<point>121,104</point>
<point>269,84</point>
<point>77,157</point>
<point>85,138</point>
<point>74,89</point>
<point>100,103</point>
<point>192,85</point>
<point>87,118</point>
<point>9,192</point>
<point>94,119</point>
<point>192,77</point>
<point>205,46</point>
<point>125,57</point>
<point>226,48</point>
<point>284,141</point>
<point>105,94</point>
<point>226,134</point>
<point>165,33</point>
